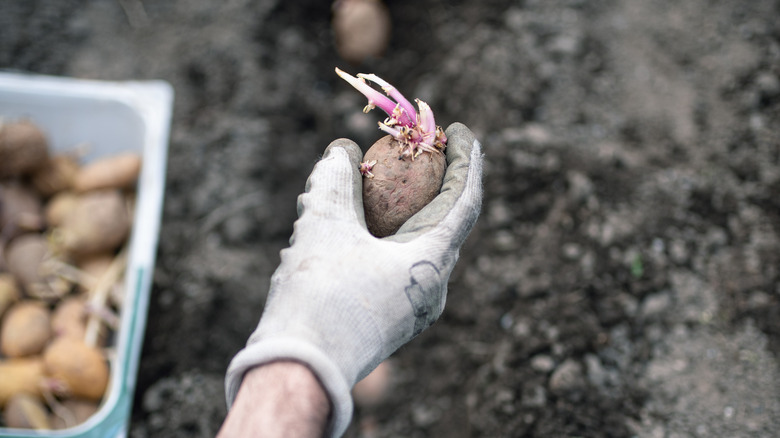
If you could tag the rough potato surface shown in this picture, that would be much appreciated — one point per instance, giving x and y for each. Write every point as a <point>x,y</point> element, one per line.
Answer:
<point>23,148</point>
<point>399,188</point>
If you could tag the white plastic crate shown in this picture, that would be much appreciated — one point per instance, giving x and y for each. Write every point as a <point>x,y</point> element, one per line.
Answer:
<point>110,117</point>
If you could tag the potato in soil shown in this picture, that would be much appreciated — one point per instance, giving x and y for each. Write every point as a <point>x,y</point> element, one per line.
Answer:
<point>400,187</point>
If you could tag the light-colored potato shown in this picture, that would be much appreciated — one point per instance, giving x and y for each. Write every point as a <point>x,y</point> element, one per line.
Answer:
<point>24,256</point>
<point>9,292</point>
<point>24,411</point>
<point>58,207</point>
<point>94,266</point>
<point>20,209</point>
<point>70,318</point>
<point>23,148</point>
<point>361,29</point>
<point>23,375</point>
<point>26,329</point>
<point>56,175</point>
<point>79,410</point>
<point>399,188</point>
<point>100,222</point>
<point>81,369</point>
<point>114,172</point>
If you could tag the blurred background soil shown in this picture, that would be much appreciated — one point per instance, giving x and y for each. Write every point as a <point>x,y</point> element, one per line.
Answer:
<point>624,277</point>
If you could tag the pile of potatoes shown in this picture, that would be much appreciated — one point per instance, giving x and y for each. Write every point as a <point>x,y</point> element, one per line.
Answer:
<point>63,232</point>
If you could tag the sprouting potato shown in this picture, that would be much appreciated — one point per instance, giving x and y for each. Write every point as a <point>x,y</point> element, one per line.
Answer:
<point>100,222</point>
<point>24,256</point>
<point>361,29</point>
<point>24,411</point>
<point>81,369</point>
<point>59,206</point>
<point>94,267</point>
<point>23,148</point>
<point>398,188</point>
<point>403,171</point>
<point>22,375</point>
<point>26,329</point>
<point>56,175</point>
<point>9,292</point>
<point>61,229</point>
<point>115,172</point>
<point>70,318</point>
<point>20,209</point>
<point>79,410</point>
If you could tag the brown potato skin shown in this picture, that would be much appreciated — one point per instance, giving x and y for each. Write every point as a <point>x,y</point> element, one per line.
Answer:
<point>24,255</point>
<point>23,148</point>
<point>24,411</point>
<point>361,29</point>
<point>99,222</point>
<point>22,375</point>
<point>114,172</point>
<point>400,187</point>
<point>26,329</point>
<point>82,368</point>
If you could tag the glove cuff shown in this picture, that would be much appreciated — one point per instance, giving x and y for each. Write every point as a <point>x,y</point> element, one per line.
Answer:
<point>329,375</point>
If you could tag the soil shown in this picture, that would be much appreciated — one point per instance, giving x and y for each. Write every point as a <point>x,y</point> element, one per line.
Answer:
<point>624,277</point>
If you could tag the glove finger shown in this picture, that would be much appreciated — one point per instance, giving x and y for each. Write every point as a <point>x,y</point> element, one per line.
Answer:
<point>334,188</point>
<point>453,212</point>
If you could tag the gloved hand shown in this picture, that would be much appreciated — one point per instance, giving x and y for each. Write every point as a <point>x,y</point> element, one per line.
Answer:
<point>342,301</point>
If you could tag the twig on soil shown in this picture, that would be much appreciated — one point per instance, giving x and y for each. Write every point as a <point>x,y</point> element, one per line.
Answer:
<point>136,14</point>
<point>228,209</point>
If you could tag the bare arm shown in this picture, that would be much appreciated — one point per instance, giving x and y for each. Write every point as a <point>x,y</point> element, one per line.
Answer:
<point>279,399</point>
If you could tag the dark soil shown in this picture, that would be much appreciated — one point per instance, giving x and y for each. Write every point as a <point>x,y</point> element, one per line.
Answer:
<point>624,278</point>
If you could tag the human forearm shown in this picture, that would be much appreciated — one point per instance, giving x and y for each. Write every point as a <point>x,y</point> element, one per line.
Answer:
<point>279,399</point>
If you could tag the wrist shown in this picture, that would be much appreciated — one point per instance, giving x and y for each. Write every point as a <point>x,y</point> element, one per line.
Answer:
<point>329,375</point>
<point>278,399</point>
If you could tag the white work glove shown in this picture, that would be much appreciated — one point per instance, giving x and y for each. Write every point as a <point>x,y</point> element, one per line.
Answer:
<point>342,300</point>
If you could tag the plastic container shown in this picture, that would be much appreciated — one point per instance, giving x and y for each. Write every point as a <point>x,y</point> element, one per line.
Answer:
<point>109,117</point>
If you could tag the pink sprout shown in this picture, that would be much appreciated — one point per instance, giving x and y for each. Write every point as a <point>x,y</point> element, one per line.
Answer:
<point>417,132</point>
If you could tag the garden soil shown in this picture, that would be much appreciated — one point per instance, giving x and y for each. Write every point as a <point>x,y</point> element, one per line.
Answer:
<point>624,276</point>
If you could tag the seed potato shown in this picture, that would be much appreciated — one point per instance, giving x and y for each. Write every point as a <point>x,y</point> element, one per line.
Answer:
<point>22,375</point>
<point>24,411</point>
<point>58,207</point>
<point>70,318</point>
<point>80,368</point>
<point>56,175</point>
<point>25,330</point>
<point>400,187</point>
<point>23,148</point>
<point>9,292</point>
<point>80,410</point>
<point>115,172</point>
<point>99,222</point>
<point>20,209</point>
<point>361,29</point>
<point>24,256</point>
